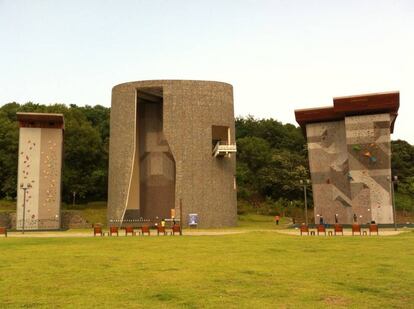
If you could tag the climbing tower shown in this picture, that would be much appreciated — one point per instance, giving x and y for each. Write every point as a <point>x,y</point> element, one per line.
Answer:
<point>39,171</point>
<point>350,157</point>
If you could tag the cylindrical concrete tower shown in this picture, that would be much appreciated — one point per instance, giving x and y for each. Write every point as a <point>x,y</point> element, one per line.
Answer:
<point>172,143</point>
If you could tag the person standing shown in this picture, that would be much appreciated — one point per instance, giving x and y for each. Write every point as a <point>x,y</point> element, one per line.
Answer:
<point>277,219</point>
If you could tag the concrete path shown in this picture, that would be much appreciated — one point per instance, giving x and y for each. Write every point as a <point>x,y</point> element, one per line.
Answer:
<point>347,232</point>
<point>87,233</point>
<point>73,233</point>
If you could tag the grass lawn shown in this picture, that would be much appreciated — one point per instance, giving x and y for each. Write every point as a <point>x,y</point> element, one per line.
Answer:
<point>94,212</point>
<point>250,270</point>
<point>7,206</point>
<point>254,222</point>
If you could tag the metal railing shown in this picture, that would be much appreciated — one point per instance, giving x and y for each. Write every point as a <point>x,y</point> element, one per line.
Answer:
<point>139,222</point>
<point>224,148</point>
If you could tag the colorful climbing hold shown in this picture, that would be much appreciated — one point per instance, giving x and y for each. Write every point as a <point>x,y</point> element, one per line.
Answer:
<point>367,154</point>
<point>356,148</point>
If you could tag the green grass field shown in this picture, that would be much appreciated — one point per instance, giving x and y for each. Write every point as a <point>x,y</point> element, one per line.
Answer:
<point>250,270</point>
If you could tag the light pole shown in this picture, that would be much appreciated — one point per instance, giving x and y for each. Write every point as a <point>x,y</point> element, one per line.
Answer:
<point>24,187</point>
<point>73,200</point>
<point>305,183</point>
<point>393,181</point>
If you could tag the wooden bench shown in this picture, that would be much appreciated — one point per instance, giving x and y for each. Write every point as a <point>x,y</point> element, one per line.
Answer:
<point>304,229</point>
<point>97,230</point>
<point>3,231</point>
<point>338,229</point>
<point>356,228</point>
<point>373,228</point>
<point>145,229</point>
<point>176,229</point>
<point>321,229</point>
<point>113,230</point>
<point>161,229</point>
<point>129,230</point>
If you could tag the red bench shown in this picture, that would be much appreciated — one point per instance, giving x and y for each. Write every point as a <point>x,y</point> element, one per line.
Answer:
<point>356,228</point>
<point>161,229</point>
<point>145,229</point>
<point>97,230</point>
<point>129,230</point>
<point>176,229</point>
<point>113,230</point>
<point>3,231</point>
<point>321,229</point>
<point>373,228</point>
<point>304,229</point>
<point>338,229</point>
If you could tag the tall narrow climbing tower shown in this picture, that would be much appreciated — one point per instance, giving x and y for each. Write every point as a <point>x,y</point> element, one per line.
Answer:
<point>39,171</point>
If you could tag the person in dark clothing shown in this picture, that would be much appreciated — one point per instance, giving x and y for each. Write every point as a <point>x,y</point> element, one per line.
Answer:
<point>355,218</point>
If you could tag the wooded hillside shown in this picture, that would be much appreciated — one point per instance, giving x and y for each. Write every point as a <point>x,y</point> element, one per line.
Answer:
<point>271,159</point>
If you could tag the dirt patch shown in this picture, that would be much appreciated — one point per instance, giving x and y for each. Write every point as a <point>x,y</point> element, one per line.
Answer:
<point>332,301</point>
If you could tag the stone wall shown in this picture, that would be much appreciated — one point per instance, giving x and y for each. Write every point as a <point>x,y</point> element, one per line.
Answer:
<point>70,220</point>
<point>5,220</point>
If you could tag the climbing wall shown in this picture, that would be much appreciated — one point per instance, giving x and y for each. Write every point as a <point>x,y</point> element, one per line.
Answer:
<point>328,161</point>
<point>157,166</point>
<point>350,164</point>
<point>369,153</point>
<point>28,174</point>
<point>40,162</point>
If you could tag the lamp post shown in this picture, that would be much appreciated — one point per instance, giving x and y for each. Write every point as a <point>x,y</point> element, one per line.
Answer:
<point>305,183</point>
<point>73,199</point>
<point>24,187</point>
<point>393,181</point>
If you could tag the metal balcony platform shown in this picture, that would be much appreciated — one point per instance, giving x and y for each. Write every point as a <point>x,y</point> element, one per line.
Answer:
<point>224,149</point>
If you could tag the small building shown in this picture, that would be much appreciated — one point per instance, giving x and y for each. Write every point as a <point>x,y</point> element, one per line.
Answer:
<point>39,171</point>
<point>172,149</point>
<point>350,157</point>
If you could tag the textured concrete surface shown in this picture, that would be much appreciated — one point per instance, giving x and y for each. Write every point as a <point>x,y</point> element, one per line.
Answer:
<point>40,163</point>
<point>204,184</point>
<point>350,164</point>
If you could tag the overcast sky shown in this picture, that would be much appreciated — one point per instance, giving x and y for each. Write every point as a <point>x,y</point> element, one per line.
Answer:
<point>278,55</point>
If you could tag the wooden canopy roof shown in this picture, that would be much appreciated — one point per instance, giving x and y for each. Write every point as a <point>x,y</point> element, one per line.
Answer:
<point>365,104</point>
<point>41,120</point>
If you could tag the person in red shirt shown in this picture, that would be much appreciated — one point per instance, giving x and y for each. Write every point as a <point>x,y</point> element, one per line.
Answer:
<point>277,218</point>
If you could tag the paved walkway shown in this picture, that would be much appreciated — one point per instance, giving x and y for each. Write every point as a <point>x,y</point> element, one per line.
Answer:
<point>84,233</point>
<point>347,232</point>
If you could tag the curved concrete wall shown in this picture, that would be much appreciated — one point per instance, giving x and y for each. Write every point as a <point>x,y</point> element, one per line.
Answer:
<point>204,183</point>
